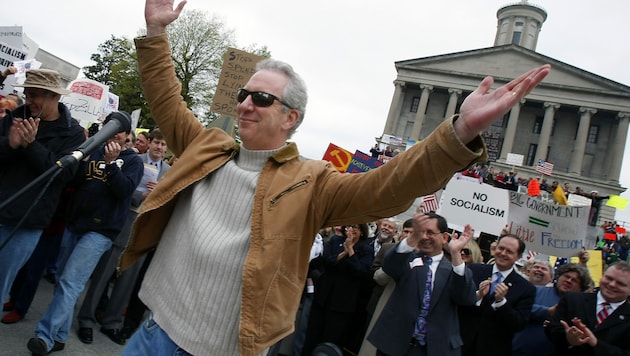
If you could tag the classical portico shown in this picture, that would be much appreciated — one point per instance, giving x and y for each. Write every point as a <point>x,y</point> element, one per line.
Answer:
<point>575,119</point>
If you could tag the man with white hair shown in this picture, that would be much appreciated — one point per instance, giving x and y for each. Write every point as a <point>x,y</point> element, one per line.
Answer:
<point>389,229</point>
<point>241,217</point>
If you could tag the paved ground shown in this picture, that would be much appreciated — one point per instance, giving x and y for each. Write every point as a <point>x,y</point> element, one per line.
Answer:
<point>13,338</point>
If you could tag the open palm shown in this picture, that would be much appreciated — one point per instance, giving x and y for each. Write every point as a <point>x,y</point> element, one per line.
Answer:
<point>481,108</point>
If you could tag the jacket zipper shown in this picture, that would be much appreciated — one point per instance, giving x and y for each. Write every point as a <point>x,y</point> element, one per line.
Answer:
<point>287,191</point>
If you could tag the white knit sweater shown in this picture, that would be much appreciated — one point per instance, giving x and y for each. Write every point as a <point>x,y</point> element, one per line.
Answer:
<point>193,286</point>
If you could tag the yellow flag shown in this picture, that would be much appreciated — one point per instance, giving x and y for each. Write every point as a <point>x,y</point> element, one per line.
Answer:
<point>617,202</point>
<point>558,194</point>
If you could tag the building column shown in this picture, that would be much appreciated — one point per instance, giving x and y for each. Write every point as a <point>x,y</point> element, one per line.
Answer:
<point>422,108</point>
<point>577,158</point>
<point>618,147</point>
<point>394,108</point>
<point>545,131</point>
<point>452,102</point>
<point>510,131</point>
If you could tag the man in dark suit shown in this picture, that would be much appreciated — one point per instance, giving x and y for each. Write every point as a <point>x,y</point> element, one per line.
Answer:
<point>595,323</point>
<point>397,331</point>
<point>504,301</point>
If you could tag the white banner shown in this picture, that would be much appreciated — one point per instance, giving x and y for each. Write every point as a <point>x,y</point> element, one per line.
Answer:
<point>514,159</point>
<point>555,230</point>
<point>578,200</point>
<point>8,55</point>
<point>482,206</point>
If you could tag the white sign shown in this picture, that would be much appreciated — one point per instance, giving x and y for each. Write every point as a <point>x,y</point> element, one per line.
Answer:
<point>514,159</point>
<point>578,200</point>
<point>482,206</point>
<point>135,117</point>
<point>23,66</point>
<point>87,100</point>
<point>112,103</point>
<point>11,50</point>
<point>552,229</point>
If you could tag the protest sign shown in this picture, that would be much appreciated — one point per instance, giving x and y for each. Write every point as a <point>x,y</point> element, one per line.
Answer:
<point>362,162</point>
<point>87,100</point>
<point>238,67</point>
<point>482,206</point>
<point>555,230</point>
<point>338,157</point>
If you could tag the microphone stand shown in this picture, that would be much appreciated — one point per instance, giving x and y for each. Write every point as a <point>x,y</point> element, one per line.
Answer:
<point>51,174</point>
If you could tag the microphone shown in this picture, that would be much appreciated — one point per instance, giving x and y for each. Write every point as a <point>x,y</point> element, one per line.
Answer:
<point>114,123</point>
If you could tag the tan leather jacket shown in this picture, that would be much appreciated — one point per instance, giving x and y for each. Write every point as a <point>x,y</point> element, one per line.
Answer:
<point>294,198</point>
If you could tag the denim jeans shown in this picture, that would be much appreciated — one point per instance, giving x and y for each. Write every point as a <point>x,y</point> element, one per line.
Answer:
<point>27,280</point>
<point>78,257</point>
<point>15,254</point>
<point>150,339</point>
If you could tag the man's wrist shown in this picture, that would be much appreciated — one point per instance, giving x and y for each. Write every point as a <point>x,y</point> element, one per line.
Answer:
<point>155,30</point>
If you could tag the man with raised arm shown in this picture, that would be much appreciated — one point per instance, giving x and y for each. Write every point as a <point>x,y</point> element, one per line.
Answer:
<point>234,223</point>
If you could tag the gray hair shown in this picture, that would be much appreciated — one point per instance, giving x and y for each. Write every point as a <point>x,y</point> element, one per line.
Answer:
<point>295,93</point>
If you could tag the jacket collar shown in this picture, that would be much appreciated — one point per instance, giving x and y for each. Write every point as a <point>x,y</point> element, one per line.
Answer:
<point>287,153</point>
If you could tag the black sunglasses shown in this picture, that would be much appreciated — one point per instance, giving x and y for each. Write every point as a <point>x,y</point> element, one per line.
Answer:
<point>465,251</point>
<point>259,98</point>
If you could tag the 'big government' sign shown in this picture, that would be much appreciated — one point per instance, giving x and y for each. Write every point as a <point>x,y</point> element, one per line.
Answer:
<point>552,229</point>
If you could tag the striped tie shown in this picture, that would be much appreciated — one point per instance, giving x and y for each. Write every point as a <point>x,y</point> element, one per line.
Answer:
<point>603,314</point>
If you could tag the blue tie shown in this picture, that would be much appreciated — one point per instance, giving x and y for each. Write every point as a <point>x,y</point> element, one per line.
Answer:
<point>420,330</point>
<point>496,281</point>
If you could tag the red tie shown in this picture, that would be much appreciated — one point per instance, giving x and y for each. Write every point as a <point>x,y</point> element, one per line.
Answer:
<point>603,314</point>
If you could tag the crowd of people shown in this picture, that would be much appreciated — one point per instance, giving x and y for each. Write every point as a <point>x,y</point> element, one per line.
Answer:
<point>223,254</point>
<point>484,305</point>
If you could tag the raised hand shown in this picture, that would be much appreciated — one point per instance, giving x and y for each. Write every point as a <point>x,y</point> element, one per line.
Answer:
<point>481,108</point>
<point>458,242</point>
<point>159,13</point>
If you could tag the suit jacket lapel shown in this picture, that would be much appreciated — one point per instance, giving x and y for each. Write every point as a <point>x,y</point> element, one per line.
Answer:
<point>439,281</point>
<point>590,305</point>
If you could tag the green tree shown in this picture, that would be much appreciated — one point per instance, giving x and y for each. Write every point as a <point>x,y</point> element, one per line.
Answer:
<point>116,65</point>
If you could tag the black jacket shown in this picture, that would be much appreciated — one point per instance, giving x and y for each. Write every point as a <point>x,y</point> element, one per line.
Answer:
<point>102,195</point>
<point>18,167</point>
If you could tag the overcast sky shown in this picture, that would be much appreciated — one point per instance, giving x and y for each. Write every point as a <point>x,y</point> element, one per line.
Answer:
<point>346,50</point>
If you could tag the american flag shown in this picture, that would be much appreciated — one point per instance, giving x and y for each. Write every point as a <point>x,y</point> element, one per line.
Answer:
<point>430,203</point>
<point>544,167</point>
<point>531,254</point>
<point>559,262</point>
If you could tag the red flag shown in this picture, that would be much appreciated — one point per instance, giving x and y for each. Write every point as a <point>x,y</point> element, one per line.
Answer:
<point>610,236</point>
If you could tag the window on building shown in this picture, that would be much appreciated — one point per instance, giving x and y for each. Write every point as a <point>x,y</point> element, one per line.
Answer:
<point>518,24</point>
<point>593,132</point>
<point>531,154</point>
<point>538,124</point>
<point>415,102</point>
<point>516,38</point>
<point>502,122</point>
